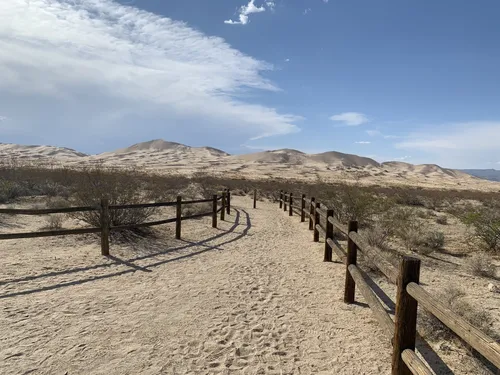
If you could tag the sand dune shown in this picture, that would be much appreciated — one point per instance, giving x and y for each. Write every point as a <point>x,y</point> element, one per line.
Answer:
<point>164,157</point>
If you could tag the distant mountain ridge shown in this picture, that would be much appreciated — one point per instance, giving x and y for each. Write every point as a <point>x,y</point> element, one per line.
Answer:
<point>486,174</point>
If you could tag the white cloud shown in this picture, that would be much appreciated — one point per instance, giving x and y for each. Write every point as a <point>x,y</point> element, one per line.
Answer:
<point>362,142</point>
<point>246,10</point>
<point>271,5</point>
<point>287,60</point>
<point>3,118</point>
<point>350,118</point>
<point>373,133</point>
<point>403,158</point>
<point>306,11</point>
<point>96,66</point>
<point>326,1</point>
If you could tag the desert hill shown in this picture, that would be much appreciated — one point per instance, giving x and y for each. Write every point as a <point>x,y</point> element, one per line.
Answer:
<point>165,157</point>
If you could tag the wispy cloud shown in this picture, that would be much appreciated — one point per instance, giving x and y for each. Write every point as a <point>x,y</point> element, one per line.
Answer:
<point>248,9</point>
<point>97,66</point>
<point>362,142</point>
<point>306,11</point>
<point>3,118</point>
<point>459,144</point>
<point>350,118</point>
<point>271,5</point>
<point>373,133</point>
<point>403,158</point>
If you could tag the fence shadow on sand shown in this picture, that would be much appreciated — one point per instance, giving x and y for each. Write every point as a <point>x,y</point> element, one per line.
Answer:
<point>130,262</point>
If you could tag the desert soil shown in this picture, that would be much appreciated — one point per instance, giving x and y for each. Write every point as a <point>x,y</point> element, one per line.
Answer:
<point>251,297</point>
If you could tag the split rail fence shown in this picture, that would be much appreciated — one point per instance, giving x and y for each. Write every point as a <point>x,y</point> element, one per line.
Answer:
<point>104,215</point>
<point>402,331</point>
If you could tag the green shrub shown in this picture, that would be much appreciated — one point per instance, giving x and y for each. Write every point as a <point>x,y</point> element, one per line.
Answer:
<point>486,224</point>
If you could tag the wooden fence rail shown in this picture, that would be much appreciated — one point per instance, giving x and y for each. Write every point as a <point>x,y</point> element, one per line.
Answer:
<point>105,223</point>
<point>402,331</point>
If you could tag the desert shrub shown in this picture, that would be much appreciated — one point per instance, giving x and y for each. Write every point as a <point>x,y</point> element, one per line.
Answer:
<point>195,209</point>
<point>433,240</point>
<point>422,214</point>
<point>486,225</point>
<point>442,220</point>
<point>352,203</point>
<point>54,221</point>
<point>409,198</point>
<point>119,188</point>
<point>453,297</point>
<point>480,264</point>
<point>378,235</point>
<point>9,191</point>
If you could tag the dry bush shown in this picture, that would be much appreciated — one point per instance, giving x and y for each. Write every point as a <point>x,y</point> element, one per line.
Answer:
<point>486,224</point>
<point>442,220</point>
<point>196,208</point>
<point>480,264</point>
<point>119,187</point>
<point>378,235</point>
<point>453,297</point>
<point>54,222</point>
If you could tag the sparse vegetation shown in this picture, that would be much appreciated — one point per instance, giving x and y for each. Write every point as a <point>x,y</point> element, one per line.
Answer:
<point>54,222</point>
<point>486,224</point>
<point>480,264</point>
<point>442,220</point>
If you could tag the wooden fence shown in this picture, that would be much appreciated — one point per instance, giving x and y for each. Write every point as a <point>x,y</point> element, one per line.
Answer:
<point>402,331</point>
<point>104,217</point>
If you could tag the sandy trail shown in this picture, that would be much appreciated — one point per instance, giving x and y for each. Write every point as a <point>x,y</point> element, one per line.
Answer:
<point>252,297</point>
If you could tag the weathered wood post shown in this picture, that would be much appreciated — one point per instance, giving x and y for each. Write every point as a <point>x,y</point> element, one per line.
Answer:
<point>405,323</point>
<point>228,205</point>
<point>214,211</point>
<point>302,209</point>
<point>254,198</point>
<point>316,222</point>
<point>178,217</point>
<point>290,205</point>
<point>329,234</point>
<point>223,202</point>
<point>284,201</point>
<point>352,255</point>
<point>311,212</point>
<point>105,224</point>
<point>281,198</point>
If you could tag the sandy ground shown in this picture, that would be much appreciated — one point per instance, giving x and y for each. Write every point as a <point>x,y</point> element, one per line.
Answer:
<point>252,297</point>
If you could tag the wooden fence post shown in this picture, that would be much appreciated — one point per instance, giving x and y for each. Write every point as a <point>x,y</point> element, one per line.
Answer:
<point>329,234</point>
<point>352,255</point>
<point>214,211</point>
<point>405,322</point>
<point>284,201</point>
<point>316,221</point>
<point>228,205</point>
<point>281,198</point>
<point>290,205</point>
<point>302,209</point>
<point>255,198</point>
<point>223,203</point>
<point>105,223</point>
<point>311,212</point>
<point>178,217</point>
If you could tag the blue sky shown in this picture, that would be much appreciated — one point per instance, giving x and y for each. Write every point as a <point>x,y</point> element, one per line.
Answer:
<point>394,80</point>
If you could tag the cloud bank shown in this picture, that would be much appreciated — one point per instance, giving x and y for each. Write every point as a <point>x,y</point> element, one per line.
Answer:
<point>95,66</point>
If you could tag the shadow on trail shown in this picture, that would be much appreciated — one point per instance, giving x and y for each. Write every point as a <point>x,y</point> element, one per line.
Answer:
<point>129,262</point>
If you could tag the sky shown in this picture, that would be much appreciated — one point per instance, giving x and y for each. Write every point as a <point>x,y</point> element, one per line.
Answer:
<point>393,80</point>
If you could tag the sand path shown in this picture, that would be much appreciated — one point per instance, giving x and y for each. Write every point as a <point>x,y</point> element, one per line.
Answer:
<point>252,297</point>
